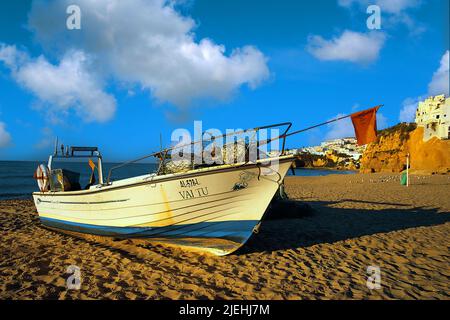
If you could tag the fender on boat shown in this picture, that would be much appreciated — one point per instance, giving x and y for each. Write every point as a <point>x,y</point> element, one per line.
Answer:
<point>42,175</point>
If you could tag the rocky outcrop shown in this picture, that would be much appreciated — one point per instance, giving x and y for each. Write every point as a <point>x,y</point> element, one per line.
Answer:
<point>388,153</point>
<point>330,160</point>
<point>432,156</point>
<point>319,162</point>
<point>308,160</point>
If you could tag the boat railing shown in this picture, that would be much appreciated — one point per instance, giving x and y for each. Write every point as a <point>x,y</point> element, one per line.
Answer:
<point>163,154</point>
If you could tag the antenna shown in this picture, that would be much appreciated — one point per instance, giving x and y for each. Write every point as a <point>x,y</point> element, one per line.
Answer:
<point>56,146</point>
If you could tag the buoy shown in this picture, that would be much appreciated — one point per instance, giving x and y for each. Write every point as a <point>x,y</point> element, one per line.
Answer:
<point>42,176</point>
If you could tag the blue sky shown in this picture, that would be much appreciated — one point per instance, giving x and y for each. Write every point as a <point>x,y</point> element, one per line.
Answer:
<point>149,67</point>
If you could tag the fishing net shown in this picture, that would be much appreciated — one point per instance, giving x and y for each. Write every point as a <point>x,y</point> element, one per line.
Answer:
<point>213,155</point>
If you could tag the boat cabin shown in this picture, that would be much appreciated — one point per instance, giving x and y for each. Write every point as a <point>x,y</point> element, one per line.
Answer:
<point>69,180</point>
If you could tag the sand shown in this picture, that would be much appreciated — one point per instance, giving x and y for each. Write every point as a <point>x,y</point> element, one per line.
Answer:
<point>358,221</point>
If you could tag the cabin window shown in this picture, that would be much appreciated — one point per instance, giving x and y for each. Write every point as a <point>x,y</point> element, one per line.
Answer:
<point>76,175</point>
<point>64,180</point>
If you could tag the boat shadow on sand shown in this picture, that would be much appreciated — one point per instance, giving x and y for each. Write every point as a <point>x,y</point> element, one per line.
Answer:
<point>302,224</point>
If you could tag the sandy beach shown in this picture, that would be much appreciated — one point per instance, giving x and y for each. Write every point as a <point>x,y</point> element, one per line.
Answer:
<point>357,221</point>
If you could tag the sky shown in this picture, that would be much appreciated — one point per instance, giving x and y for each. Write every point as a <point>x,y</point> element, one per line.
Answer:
<point>136,69</point>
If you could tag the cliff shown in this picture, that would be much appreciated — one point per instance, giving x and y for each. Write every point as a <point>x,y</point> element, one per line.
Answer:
<point>388,153</point>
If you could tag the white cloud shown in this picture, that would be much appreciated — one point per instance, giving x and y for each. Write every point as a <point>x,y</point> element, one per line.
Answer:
<point>12,57</point>
<point>349,46</point>
<point>340,129</point>
<point>63,87</point>
<point>151,45</point>
<point>440,81</point>
<point>46,139</point>
<point>397,6</point>
<point>394,12</point>
<point>344,128</point>
<point>382,121</point>
<point>389,6</point>
<point>439,85</point>
<point>5,137</point>
<point>408,111</point>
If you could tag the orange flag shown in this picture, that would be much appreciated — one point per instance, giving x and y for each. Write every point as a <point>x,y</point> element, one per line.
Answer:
<point>365,124</point>
<point>91,164</point>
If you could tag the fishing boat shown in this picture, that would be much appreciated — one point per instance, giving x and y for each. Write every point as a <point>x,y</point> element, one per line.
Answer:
<point>213,208</point>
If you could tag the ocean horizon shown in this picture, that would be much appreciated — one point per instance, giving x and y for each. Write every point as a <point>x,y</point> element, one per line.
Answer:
<point>17,182</point>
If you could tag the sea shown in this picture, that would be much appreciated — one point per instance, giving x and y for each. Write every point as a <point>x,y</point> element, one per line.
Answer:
<point>17,182</point>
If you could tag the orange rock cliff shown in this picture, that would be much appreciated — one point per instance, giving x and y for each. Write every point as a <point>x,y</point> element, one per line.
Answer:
<point>388,152</point>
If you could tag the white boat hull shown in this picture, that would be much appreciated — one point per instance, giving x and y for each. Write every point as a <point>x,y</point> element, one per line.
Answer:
<point>213,209</point>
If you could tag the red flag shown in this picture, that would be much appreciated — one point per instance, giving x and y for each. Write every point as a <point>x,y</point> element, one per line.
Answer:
<point>365,124</point>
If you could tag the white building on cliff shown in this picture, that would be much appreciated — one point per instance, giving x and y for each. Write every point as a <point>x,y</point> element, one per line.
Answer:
<point>345,146</point>
<point>433,115</point>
